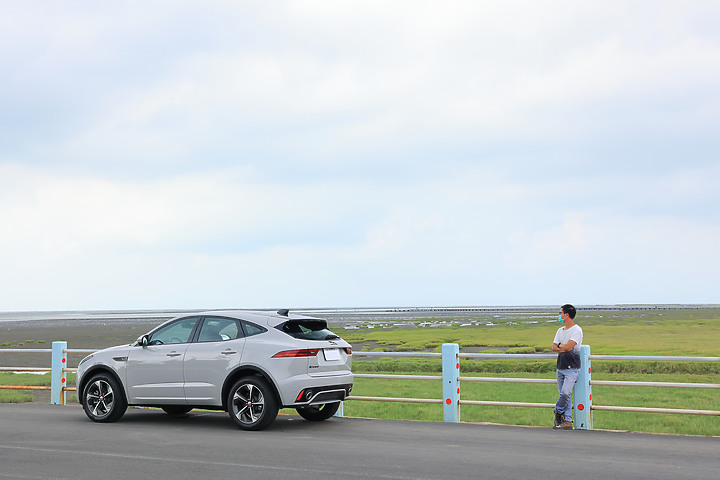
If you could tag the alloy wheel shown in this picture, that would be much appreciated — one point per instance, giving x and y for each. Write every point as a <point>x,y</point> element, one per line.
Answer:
<point>252,404</point>
<point>100,398</point>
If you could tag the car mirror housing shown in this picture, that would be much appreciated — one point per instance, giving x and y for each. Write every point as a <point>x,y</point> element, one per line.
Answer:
<point>143,341</point>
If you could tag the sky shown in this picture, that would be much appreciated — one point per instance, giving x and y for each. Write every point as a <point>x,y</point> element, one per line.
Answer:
<point>236,154</point>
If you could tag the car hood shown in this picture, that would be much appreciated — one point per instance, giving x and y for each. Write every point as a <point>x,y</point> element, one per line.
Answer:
<point>118,348</point>
<point>117,351</point>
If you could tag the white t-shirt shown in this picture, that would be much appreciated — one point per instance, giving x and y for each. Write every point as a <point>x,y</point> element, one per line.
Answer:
<point>569,359</point>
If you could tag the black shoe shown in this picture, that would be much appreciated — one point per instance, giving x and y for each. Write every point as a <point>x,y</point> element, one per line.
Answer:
<point>558,419</point>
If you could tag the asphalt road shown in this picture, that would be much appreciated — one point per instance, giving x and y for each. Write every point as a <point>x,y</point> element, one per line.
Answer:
<point>54,442</point>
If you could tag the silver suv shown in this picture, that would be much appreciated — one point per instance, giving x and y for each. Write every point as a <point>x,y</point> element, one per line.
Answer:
<point>249,364</point>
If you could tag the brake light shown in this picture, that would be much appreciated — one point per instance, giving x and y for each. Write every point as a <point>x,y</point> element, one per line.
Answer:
<point>348,350</point>
<point>305,352</point>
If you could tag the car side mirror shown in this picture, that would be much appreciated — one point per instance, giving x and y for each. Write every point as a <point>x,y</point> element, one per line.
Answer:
<point>143,341</point>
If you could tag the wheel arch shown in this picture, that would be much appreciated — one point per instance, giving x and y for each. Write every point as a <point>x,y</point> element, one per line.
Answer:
<point>247,371</point>
<point>97,370</point>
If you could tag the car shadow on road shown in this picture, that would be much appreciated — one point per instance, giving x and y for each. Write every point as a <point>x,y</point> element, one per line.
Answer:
<point>155,417</point>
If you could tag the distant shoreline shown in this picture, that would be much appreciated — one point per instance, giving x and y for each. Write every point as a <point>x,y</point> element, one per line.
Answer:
<point>160,315</point>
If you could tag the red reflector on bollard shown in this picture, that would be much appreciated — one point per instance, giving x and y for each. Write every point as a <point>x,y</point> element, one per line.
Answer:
<point>591,397</point>
<point>448,401</point>
<point>458,391</point>
<point>63,360</point>
<point>457,366</point>
<point>581,407</point>
<point>589,369</point>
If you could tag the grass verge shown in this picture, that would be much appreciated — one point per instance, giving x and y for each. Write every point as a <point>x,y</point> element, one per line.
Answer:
<point>602,395</point>
<point>25,379</point>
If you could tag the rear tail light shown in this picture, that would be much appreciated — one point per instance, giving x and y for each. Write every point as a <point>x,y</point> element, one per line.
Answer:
<point>348,350</point>
<point>305,352</point>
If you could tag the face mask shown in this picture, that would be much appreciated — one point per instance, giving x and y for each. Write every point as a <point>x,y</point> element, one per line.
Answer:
<point>560,319</point>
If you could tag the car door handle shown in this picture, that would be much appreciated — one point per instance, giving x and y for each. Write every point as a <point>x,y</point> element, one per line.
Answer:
<point>174,354</point>
<point>228,352</point>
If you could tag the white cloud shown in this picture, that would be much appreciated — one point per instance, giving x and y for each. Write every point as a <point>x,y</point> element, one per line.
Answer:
<point>336,153</point>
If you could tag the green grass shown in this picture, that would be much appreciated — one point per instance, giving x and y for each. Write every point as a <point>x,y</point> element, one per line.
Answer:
<point>14,396</point>
<point>602,395</point>
<point>25,379</point>
<point>667,332</point>
<point>9,378</point>
<point>537,366</point>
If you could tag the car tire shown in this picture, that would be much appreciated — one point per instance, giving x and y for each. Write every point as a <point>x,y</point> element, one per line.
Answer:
<point>103,399</point>
<point>252,404</point>
<point>318,413</point>
<point>176,410</point>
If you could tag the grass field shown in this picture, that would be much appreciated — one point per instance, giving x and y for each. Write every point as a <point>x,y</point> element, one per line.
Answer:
<point>663,333</point>
<point>642,332</point>
<point>24,379</point>
<point>602,395</point>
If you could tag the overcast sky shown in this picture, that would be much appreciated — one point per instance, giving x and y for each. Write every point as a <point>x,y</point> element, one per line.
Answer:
<point>218,154</point>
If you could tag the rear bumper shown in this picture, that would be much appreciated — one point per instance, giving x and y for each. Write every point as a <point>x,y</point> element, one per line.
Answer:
<point>322,395</point>
<point>328,389</point>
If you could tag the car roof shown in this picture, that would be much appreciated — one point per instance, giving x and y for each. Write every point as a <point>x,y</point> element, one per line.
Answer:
<point>267,317</point>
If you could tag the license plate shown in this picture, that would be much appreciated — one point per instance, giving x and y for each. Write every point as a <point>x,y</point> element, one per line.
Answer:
<point>331,354</point>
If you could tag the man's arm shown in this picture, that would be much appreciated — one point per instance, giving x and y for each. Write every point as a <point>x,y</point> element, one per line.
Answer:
<point>565,347</point>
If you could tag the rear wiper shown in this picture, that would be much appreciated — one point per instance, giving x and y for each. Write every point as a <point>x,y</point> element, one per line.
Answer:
<point>331,337</point>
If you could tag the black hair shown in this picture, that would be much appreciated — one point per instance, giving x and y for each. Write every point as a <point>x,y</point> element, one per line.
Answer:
<point>570,310</point>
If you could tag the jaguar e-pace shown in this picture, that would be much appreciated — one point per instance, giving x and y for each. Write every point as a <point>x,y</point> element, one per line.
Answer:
<point>249,364</point>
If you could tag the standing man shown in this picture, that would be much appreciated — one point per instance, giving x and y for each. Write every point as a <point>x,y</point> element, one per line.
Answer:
<point>567,345</point>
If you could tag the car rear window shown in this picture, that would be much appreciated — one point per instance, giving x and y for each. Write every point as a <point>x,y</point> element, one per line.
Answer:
<point>307,329</point>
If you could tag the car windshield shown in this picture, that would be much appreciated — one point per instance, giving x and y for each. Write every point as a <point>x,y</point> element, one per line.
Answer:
<point>307,329</point>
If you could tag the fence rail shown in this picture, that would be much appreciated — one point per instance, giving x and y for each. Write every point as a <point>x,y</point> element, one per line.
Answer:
<point>654,358</point>
<point>58,369</point>
<point>450,378</point>
<point>583,404</point>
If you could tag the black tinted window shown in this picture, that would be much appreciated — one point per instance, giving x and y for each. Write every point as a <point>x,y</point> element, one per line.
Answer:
<point>307,329</point>
<point>252,329</point>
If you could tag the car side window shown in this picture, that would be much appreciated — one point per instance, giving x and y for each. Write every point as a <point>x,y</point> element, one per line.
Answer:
<point>252,329</point>
<point>176,332</point>
<point>216,329</point>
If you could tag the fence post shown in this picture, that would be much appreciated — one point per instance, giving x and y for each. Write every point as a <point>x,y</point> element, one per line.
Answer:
<point>451,384</point>
<point>57,376</point>
<point>583,392</point>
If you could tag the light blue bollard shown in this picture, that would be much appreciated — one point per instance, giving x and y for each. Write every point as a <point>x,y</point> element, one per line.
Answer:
<point>339,412</point>
<point>57,376</point>
<point>582,394</point>
<point>451,382</point>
